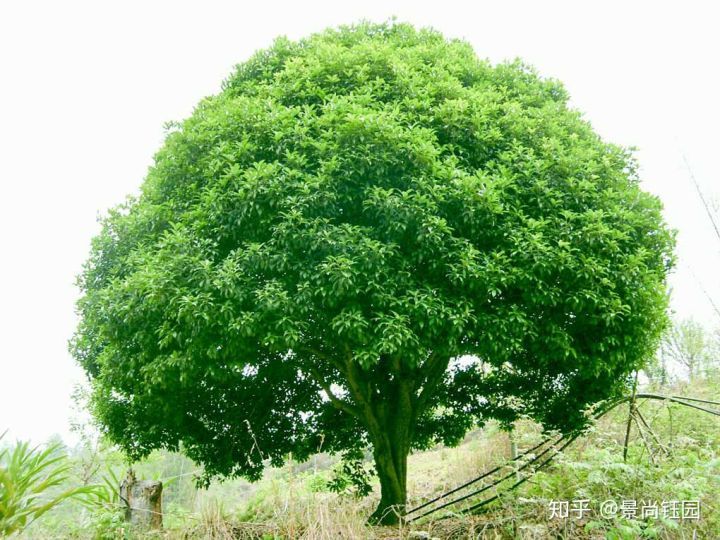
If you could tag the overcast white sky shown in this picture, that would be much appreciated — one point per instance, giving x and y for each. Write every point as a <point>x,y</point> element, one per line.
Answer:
<point>85,88</point>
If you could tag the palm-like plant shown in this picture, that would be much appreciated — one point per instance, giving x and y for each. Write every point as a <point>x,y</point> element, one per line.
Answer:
<point>27,478</point>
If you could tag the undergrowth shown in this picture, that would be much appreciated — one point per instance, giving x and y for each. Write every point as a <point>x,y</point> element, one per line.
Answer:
<point>678,461</point>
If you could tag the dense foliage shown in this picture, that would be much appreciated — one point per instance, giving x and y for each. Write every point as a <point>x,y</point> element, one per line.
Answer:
<point>370,237</point>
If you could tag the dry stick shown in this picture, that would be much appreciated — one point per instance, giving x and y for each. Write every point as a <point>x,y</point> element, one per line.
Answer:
<point>670,419</point>
<point>644,440</point>
<point>702,197</point>
<point>712,221</point>
<point>631,408</point>
<point>513,448</point>
<point>645,426</point>
<point>704,291</point>
<point>652,433</point>
<point>680,400</point>
<point>696,399</point>
<point>657,413</point>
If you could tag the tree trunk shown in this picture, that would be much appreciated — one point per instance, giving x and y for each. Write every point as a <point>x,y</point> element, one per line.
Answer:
<point>142,500</point>
<point>391,466</point>
<point>389,415</point>
<point>391,446</point>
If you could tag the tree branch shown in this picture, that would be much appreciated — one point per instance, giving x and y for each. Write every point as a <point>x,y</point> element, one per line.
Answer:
<point>336,401</point>
<point>326,357</point>
<point>434,369</point>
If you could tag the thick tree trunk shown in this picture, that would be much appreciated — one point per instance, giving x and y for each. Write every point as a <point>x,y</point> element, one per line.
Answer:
<point>391,446</point>
<point>389,412</point>
<point>142,500</point>
<point>391,466</point>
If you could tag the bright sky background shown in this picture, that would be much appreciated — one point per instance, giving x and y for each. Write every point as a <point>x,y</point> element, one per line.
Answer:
<point>85,88</point>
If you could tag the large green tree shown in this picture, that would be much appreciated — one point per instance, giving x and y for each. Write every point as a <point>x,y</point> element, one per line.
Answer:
<point>370,238</point>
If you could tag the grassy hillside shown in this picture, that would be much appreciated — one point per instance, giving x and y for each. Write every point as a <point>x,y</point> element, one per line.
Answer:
<point>678,461</point>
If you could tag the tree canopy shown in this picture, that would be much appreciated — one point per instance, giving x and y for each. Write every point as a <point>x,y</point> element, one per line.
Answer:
<point>370,238</point>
